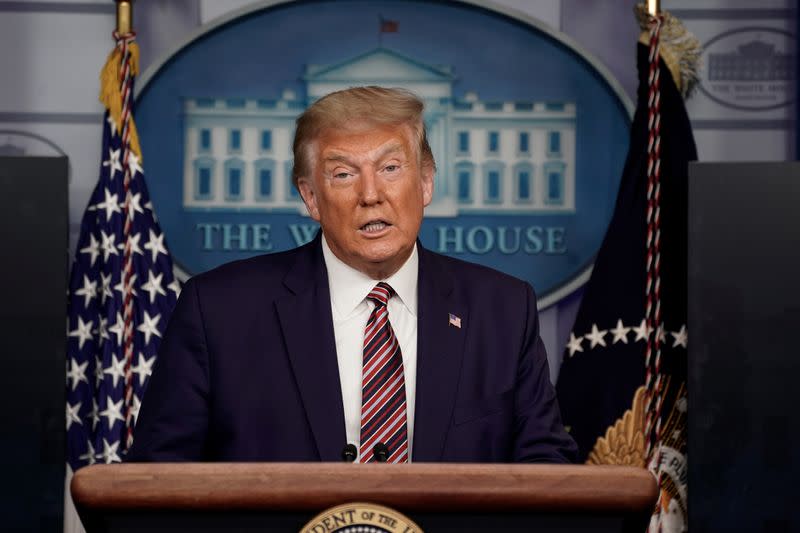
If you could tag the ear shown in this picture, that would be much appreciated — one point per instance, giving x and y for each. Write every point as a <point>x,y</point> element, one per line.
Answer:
<point>428,170</point>
<point>309,197</point>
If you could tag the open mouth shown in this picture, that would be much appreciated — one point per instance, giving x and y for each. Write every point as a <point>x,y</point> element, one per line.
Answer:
<point>375,226</point>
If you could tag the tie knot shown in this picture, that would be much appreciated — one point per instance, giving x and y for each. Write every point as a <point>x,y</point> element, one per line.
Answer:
<point>381,293</point>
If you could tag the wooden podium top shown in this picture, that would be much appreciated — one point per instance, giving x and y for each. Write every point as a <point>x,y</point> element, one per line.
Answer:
<point>310,486</point>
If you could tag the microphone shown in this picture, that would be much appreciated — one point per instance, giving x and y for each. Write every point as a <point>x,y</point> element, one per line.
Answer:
<point>381,452</point>
<point>349,453</point>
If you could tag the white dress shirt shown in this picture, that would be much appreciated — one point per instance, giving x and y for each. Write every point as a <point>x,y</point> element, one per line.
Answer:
<point>351,309</point>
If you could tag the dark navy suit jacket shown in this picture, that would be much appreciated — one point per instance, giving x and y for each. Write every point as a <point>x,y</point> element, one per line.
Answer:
<point>247,369</point>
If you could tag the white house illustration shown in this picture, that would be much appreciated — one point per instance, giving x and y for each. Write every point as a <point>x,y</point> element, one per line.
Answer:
<point>492,156</point>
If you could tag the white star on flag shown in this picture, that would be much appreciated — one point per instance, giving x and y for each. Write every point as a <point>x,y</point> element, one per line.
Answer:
<point>93,249</point>
<point>136,200</point>
<point>175,287</point>
<point>110,454</point>
<point>72,414</point>
<point>120,287</point>
<point>95,413</point>
<point>153,285</point>
<point>89,456</point>
<point>110,204</point>
<point>681,337</point>
<point>620,333</point>
<point>113,157</point>
<point>88,291</point>
<point>133,242</point>
<point>144,368</point>
<point>596,336</point>
<point>77,373</point>
<point>574,344</point>
<point>83,332</point>
<point>118,328</point>
<point>136,405</point>
<point>112,412</point>
<point>116,369</point>
<point>156,245</point>
<point>105,287</point>
<point>102,330</point>
<point>149,326</point>
<point>133,164</point>
<point>661,333</point>
<point>642,331</point>
<point>108,245</point>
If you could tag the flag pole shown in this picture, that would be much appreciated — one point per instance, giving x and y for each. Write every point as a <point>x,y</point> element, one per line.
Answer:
<point>124,16</point>
<point>654,7</point>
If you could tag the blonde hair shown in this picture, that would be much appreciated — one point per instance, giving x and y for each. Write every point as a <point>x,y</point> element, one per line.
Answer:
<point>373,105</point>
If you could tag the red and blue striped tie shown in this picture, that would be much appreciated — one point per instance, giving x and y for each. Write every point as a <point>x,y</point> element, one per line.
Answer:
<point>383,392</point>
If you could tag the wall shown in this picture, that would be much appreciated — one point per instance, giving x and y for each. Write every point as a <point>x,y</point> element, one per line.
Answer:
<point>53,52</point>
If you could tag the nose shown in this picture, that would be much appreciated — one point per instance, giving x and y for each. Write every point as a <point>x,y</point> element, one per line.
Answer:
<point>370,192</point>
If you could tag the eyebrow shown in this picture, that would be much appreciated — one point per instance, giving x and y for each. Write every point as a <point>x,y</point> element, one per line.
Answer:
<point>342,158</point>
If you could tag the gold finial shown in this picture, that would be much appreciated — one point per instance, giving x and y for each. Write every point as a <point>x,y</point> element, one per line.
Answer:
<point>124,16</point>
<point>653,7</point>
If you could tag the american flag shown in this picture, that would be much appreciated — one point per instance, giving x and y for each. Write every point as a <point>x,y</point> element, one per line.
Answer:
<point>121,261</point>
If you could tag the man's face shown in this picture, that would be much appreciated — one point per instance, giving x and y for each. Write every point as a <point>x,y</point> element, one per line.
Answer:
<point>368,192</point>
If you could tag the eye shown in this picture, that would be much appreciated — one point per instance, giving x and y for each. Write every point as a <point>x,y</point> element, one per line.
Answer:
<point>392,168</point>
<point>341,175</point>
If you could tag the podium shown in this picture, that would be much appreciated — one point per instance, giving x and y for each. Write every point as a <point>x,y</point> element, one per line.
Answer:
<point>267,497</point>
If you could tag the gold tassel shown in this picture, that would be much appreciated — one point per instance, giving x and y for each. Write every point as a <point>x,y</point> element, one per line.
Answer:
<point>110,94</point>
<point>679,49</point>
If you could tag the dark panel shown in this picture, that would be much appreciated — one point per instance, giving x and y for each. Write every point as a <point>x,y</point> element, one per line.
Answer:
<point>33,285</point>
<point>744,322</point>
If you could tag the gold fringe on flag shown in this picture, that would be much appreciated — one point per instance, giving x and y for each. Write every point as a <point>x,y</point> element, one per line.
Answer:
<point>679,49</point>
<point>110,94</point>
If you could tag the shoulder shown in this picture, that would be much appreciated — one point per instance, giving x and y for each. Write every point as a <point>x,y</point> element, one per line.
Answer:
<point>473,279</point>
<point>248,276</point>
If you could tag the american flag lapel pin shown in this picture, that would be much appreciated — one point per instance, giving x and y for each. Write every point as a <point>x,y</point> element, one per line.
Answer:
<point>455,321</point>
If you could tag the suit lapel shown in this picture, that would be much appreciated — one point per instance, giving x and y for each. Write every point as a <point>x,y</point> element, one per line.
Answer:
<point>440,349</point>
<point>307,324</point>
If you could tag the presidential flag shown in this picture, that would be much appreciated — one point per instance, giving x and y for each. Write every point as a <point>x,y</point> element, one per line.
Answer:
<point>122,287</point>
<point>622,385</point>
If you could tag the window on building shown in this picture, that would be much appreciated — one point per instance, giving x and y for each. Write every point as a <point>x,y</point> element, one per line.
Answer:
<point>554,143</point>
<point>265,183</point>
<point>234,180</point>
<point>266,140</point>
<point>204,182</point>
<point>205,140</point>
<point>493,182</point>
<point>463,142</point>
<point>554,182</point>
<point>235,141</point>
<point>464,186</point>
<point>493,186</point>
<point>523,183</point>
<point>234,183</point>
<point>494,142</point>
<point>264,173</point>
<point>524,142</point>
<point>203,178</point>
<point>464,172</point>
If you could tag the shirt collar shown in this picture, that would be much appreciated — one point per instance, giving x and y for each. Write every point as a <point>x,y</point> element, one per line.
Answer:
<point>349,287</point>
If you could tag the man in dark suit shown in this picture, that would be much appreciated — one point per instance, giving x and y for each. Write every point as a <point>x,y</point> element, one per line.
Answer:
<point>361,336</point>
